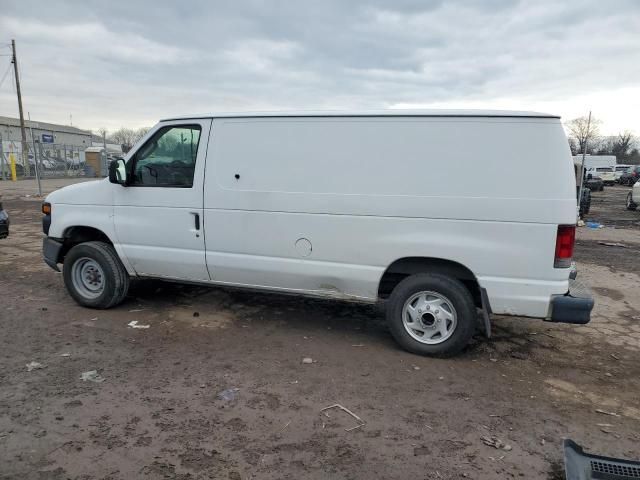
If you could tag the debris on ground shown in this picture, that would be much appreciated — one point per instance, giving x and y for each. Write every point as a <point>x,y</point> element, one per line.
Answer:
<point>604,412</point>
<point>92,376</point>
<point>229,394</point>
<point>495,442</point>
<point>344,409</point>
<point>65,355</point>
<point>307,360</point>
<point>415,367</point>
<point>613,244</point>
<point>35,366</point>
<point>594,225</point>
<point>134,324</point>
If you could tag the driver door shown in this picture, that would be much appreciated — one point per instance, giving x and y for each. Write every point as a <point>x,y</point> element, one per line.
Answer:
<point>158,216</point>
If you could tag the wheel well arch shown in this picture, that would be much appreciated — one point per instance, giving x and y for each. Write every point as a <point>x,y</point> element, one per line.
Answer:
<point>406,266</point>
<point>79,234</point>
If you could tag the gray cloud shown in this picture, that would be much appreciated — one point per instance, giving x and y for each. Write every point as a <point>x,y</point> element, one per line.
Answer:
<point>114,63</point>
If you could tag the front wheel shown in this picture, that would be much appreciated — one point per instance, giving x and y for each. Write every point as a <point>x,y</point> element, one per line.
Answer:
<point>631,205</point>
<point>94,275</point>
<point>431,314</point>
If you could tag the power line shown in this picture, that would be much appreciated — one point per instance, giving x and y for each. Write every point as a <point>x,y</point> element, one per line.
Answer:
<point>5,74</point>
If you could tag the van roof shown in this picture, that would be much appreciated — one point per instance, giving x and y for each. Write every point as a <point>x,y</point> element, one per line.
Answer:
<point>372,113</point>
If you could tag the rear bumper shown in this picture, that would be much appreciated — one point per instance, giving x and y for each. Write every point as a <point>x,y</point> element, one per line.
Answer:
<point>574,306</point>
<point>51,252</point>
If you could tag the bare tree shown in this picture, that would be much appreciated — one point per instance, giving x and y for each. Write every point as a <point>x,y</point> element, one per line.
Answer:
<point>102,131</point>
<point>140,132</point>
<point>584,132</point>
<point>127,137</point>
<point>622,144</point>
<point>122,136</point>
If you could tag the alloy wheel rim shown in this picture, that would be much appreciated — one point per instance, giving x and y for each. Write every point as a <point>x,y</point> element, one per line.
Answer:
<point>429,317</point>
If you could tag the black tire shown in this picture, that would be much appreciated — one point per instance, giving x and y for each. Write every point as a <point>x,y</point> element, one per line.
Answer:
<point>631,205</point>
<point>116,278</point>
<point>585,204</point>
<point>450,288</point>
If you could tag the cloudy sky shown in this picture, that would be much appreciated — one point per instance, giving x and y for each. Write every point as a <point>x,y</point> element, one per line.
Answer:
<point>129,63</point>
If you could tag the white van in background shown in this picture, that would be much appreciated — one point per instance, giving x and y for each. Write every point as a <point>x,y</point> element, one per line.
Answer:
<point>364,206</point>
<point>606,174</point>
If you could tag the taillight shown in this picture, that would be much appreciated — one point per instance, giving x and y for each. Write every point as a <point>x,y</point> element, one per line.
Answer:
<point>564,246</point>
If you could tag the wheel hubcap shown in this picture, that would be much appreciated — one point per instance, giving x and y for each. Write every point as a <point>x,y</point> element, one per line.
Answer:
<point>429,317</point>
<point>87,277</point>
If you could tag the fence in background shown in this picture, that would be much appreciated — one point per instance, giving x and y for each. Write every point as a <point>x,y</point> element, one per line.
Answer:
<point>52,160</point>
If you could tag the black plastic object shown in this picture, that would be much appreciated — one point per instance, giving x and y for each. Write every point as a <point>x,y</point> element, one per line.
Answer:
<point>583,466</point>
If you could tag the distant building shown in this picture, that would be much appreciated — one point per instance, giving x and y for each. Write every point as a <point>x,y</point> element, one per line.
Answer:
<point>43,133</point>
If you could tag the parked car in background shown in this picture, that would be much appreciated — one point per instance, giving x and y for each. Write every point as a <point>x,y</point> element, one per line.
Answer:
<point>607,174</point>
<point>633,197</point>
<point>619,170</point>
<point>4,222</point>
<point>631,176</point>
<point>593,183</point>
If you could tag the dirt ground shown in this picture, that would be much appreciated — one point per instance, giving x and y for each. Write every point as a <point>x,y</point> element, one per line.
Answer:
<point>160,412</point>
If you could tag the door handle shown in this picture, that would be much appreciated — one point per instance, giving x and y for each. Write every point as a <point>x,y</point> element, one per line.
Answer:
<point>197,219</point>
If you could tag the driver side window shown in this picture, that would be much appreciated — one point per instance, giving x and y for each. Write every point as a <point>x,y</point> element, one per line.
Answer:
<point>168,159</point>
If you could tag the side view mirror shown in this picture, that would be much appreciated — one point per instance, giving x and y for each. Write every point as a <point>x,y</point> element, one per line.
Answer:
<point>118,172</point>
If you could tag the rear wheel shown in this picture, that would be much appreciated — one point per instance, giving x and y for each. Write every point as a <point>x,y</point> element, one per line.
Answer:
<point>94,275</point>
<point>631,205</point>
<point>431,314</point>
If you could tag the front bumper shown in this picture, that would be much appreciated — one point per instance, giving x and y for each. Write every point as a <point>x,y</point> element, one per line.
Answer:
<point>574,306</point>
<point>51,252</point>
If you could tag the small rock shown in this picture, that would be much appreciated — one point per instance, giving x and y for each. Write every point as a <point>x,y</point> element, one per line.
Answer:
<point>608,374</point>
<point>307,360</point>
<point>415,367</point>
<point>196,314</point>
<point>518,355</point>
<point>134,324</point>
<point>418,451</point>
<point>92,376</point>
<point>493,359</point>
<point>229,394</point>
<point>40,433</point>
<point>34,366</point>
<point>59,417</point>
<point>507,447</point>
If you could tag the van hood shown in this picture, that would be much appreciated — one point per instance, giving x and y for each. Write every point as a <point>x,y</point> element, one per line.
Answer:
<point>96,192</point>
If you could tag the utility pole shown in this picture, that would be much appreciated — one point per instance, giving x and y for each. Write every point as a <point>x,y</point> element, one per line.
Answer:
<point>35,157</point>
<point>25,148</point>
<point>584,153</point>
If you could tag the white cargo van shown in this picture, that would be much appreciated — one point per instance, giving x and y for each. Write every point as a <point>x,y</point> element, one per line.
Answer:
<point>366,207</point>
